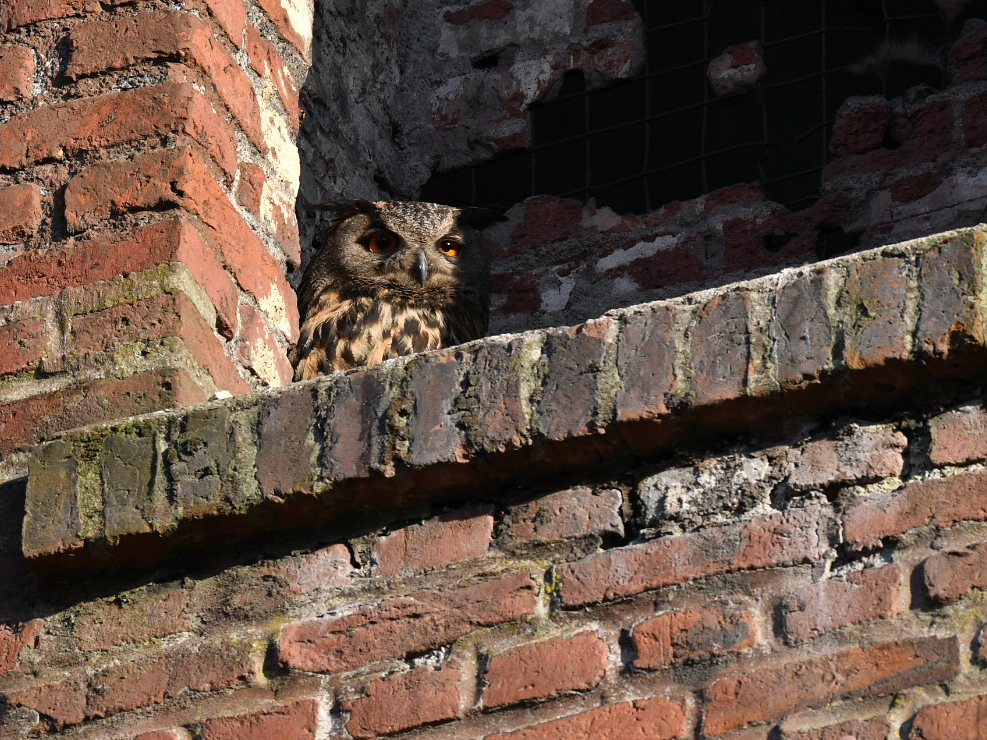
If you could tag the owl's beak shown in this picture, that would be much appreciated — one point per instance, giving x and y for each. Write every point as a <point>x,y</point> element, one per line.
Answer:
<point>422,267</point>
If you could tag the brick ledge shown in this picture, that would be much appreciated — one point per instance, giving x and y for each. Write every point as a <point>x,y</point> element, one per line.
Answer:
<point>860,331</point>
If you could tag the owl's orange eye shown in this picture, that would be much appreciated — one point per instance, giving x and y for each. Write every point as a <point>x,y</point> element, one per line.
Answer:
<point>381,243</point>
<point>450,247</point>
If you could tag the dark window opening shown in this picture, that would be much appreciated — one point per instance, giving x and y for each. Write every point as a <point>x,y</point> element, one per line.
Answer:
<point>665,136</point>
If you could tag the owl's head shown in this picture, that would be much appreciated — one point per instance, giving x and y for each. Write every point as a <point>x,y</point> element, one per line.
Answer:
<point>422,253</point>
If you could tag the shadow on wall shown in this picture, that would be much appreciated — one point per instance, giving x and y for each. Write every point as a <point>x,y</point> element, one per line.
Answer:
<point>523,101</point>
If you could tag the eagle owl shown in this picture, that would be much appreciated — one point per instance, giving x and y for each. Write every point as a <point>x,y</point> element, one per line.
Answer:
<point>389,279</point>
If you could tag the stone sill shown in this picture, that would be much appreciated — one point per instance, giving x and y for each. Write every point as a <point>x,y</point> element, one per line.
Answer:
<point>348,451</point>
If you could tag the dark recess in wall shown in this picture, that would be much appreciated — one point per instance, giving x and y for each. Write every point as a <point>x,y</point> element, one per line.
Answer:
<point>665,136</point>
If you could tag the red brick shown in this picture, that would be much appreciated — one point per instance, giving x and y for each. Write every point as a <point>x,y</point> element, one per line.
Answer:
<point>804,332</point>
<point>609,11</point>
<point>231,15</point>
<point>574,512</point>
<point>857,729</point>
<point>874,298</point>
<point>772,691</point>
<point>642,719</point>
<point>286,16</point>
<point>546,219</point>
<point>259,351</point>
<point>151,678</point>
<point>795,536</point>
<point>179,177</point>
<point>251,188</point>
<point>298,721</point>
<point>544,669</point>
<point>24,345</point>
<point>124,42</point>
<point>64,702</point>
<point>65,129</point>
<point>975,121</point>
<point>868,594</point>
<point>25,422</point>
<point>959,436</point>
<point>968,55</point>
<point>326,568</point>
<point>405,625</point>
<point>436,431</point>
<point>951,575</point>
<point>721,356</point>
<point>286,443</point>
<point>667,267</point>
<point>140,618</point>
<point>937,501</point>
<point>435,543</point>
<point>286,230</point>
<point>164,315</point>
<point>162,735</point>
<point>404,700</point>
<point>912,188</point>
<point>20,212</point>
<point>16,72</point>
<point>491,10</point>
<point>865,454</point>
<point>745,193</point>
<point>13,641</point>
<point>267,62</point>
<point>955,720</point>
<point>18,13</point>
<point>689,633</point>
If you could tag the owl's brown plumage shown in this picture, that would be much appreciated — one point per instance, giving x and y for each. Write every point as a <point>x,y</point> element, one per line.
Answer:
<point>389,279</point>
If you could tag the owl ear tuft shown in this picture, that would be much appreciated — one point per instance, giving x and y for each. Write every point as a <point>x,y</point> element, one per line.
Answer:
<point>481,218</point>
<point>344,208</point>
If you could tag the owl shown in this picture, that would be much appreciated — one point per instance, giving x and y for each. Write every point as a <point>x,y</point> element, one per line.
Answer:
<point>390,279</point>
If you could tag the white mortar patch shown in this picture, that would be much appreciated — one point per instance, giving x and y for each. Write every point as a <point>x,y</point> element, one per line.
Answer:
<point>639,250</point>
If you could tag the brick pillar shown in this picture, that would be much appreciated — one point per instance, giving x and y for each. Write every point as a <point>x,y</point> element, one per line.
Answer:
<point>148,174</point>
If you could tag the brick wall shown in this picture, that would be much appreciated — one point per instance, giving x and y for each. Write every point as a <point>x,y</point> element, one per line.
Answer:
<point>642,526</point>
<point>148,175</point>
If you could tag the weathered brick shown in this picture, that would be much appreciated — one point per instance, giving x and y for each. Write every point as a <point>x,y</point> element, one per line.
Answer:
<point>865,453</point>
<point>721,353</point>
<point>802,330</point>
<point>293,20</point>
<point>164,315</point>
<point>127,472</point>
<point>858,729</point>
<point>298,721</point>
<point>325,568</point>
<point>65,129</point>
<point>451,538</point>
<point>491,10</point>
<point>24,345</point>
<point>251,189</point>
<point>162,735</point>
<point>25,422</point>
<point>642,719</point>
<point>51,517</point>
<point>500,390</point>
<point>98,46</point>
<point>64,702</point>
<point>14,640</point>
<point>795,536</point>
<point>770,692</point>
<point>177,177</point>
<point>259,351</point>
<point>937,501</point>
<point>874,303</point>
<point>401,701</point>
<point>955,720</point>
<point>19,13</point>
<point>959,436</point>
<point>20,212</point>
<point>405,625</point>
<point>975,121</point>
<point>544,669</point>
<point>151,678</point>
<point>574,512</point>
<point>950,279</point>
<point>16,72</point>
<point>286,445</point>
<point>912,188</point>
<point>574,358</point>
<point>356,435</point>
<point>873,593</point>
<point>689,633</point>
<point>266,61</point>
<point>950,575</point>
<point>646,363</point>
<point>860,125</point>
<point>231,15</point>
<point>434,427</point>
<point>153,613</point>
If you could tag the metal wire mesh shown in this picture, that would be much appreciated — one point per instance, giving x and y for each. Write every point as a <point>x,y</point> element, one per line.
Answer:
<point>665,136</point>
